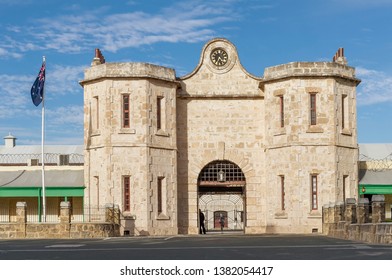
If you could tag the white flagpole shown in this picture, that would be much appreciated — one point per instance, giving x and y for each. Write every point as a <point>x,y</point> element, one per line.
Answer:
<point>42,149</point>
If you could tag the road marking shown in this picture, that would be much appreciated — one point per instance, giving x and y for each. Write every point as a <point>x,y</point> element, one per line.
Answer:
<point>168,238</point>
<point>65,246</point>
<point>360,246</point>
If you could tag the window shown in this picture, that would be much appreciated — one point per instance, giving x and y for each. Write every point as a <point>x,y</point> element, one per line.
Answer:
<point>281,111</point>
<point>231,173</point>
<point>159,194</point>
<point>96,182</point>
<point>283,204</point>
<point>313,117</point>
<point>314,192</point>
<point>344,112</point>
<point>63,159</point>
<point>159,112</point>
<point>125,113</point>
<point>33,162</point>
<point>345,189</point>
<point>127,193</point>
<point>95,113</point>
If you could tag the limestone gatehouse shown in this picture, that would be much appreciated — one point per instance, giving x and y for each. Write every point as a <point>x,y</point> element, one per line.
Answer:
<point>265,153</point>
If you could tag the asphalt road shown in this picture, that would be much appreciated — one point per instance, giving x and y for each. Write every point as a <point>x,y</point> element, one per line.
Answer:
<point>202,247</point>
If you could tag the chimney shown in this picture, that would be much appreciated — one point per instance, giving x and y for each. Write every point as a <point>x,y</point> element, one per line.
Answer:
<point>339,57</point>
<point>10,141</point>
<point>98,58</point>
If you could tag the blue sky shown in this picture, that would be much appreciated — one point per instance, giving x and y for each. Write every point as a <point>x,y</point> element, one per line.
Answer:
<point>172,34</point>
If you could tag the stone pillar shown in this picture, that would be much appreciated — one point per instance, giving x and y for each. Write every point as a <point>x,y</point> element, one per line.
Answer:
<point>363,211</point>
<point>21,212</point>
<point>65,212</point>
<point>338,212</point>
<point>21,220</point>
<point>326,219</point>
<point>378,209</point>
<point>350,213</point>
<point>331,212</point>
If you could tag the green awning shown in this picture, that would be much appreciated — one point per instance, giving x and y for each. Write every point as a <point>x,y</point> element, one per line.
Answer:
<point>28,183</point>
<point>375,181</point>
<point>65,191</point>
<point>375,189</point>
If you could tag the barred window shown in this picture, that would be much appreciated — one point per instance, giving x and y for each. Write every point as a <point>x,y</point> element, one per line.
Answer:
<point>159,194</point>
<point>314,192</point>
<point>221,172</point>
<point>282,189</point>
<point>127,193</point>
<point>159,112</point>
<point>313,115</point>
<point>125,103</point>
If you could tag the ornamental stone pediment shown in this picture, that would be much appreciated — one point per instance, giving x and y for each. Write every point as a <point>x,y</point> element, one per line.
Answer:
<point>219,74</point>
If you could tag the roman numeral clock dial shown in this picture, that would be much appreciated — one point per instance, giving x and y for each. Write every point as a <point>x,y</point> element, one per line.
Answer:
<point>219,57</point>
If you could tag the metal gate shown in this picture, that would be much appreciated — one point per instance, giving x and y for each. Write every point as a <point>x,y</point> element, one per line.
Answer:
<point>221,191</point>
<point>231,206</point>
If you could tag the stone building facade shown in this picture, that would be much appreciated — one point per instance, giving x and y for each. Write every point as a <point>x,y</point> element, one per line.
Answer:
<point>265,153</point>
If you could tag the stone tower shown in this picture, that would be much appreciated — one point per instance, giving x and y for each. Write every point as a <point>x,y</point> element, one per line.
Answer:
<point>130,144</point>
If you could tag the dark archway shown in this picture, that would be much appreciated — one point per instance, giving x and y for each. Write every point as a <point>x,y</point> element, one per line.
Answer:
<point>221,189</point>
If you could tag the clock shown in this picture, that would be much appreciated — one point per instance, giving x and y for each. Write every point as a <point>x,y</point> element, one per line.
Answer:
<point>219,57</point>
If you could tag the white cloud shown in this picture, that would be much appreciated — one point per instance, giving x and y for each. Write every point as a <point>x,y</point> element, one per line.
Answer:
<point>376,87</point>
<point>9,54</point>
<point>63,80</point>
<point>190,21</point>
<point>13,89</point>
<point>66,115</point>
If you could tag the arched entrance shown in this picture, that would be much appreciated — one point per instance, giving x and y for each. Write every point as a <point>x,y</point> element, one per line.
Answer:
<point>221,193</point>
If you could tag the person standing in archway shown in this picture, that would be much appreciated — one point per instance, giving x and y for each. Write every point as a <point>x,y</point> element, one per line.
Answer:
<point>202,219</point>
<point>222,221</point>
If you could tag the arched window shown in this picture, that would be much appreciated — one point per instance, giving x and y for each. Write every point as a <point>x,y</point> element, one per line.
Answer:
<point>221,173</point>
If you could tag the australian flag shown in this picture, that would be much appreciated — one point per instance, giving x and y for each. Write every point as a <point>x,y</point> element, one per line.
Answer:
<point>37,90</point>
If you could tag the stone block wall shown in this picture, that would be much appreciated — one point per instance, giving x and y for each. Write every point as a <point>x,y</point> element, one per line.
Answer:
<point>62,230</point>
<point>220,112</point>
<point>352,221</point>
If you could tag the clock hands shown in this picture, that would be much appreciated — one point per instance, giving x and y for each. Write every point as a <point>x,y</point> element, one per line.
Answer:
<point>219,57</point>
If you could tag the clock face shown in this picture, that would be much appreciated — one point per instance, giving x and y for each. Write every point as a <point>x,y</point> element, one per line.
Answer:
<point>219,57</point>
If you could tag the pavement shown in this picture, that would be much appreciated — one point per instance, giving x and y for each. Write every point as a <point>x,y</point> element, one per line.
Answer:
<point>211,246</point>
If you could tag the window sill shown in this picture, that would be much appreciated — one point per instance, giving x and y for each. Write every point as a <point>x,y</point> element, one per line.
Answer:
<point>281,215</point>
<point>127,131</point>
<point>95,133</point>
<point>162,133</point>
<point>315,129</point>
<point>314,214</point>
<point>129,216</point>
<point>162,216</point>
<point>280,131</point>
<point>346,131</point>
